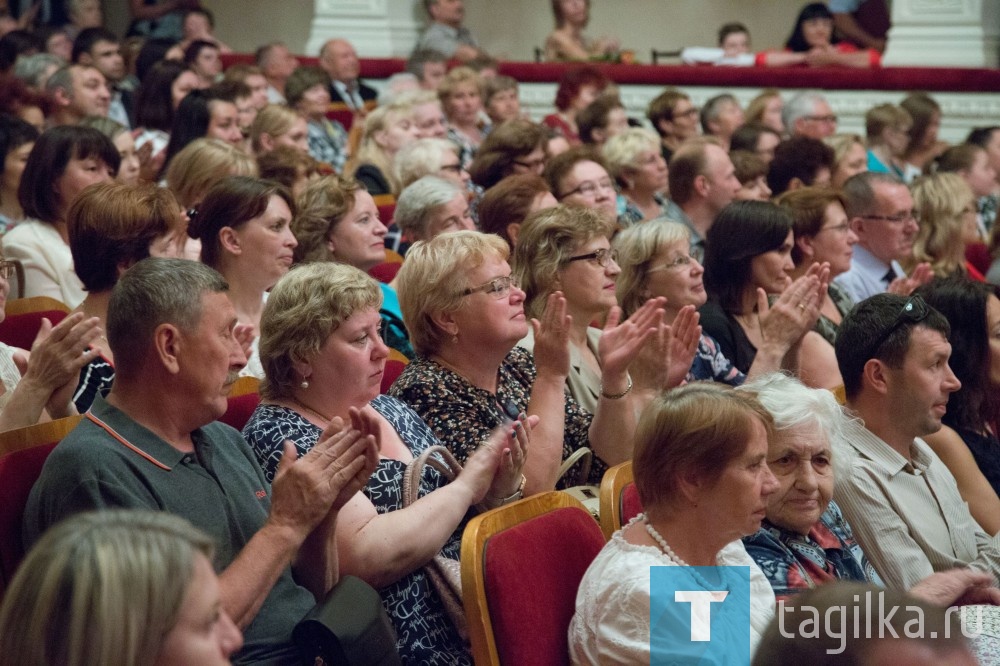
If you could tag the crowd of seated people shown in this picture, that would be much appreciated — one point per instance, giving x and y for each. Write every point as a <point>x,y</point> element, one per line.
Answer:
<point>568,293</point>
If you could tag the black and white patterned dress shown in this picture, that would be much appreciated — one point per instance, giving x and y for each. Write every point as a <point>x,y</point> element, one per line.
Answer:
<point>425,634</point>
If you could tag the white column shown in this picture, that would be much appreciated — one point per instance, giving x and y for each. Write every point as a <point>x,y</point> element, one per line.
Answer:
<point>952,33</point>
<point>377,28</point>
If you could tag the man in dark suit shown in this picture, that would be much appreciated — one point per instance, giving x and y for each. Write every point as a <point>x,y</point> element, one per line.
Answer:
<point>340,61</point>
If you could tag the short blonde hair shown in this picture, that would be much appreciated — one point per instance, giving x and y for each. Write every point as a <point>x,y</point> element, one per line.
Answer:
<point>432,279</point>
<point>322,206</point>
<point>545,242</point>
<point>102,587</point>
<point>696,429</point>
<point>274,120</point>
<point>201,164</point>
<point>636,247</point>
<point>880,118</point>
<point>621,152</point>
<point>306,305</point>
<point>940,201</point>
<point>841,143</point>
<point>455,78</point>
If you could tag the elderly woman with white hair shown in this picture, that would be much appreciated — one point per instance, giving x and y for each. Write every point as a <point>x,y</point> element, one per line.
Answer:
<point>429,157</point>
<point>804,540</point>
<point>636,163</point>
<point>432,206</point>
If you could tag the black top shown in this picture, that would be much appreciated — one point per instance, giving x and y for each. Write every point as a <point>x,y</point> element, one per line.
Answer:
<point>986,450</point>
<point>373,179</point>
<point>733,341</point>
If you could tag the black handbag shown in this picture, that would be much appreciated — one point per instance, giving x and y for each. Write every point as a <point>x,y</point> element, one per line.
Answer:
<point>350,628</point>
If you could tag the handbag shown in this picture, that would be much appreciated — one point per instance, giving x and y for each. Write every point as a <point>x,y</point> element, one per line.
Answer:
<point>588,495</point>
<point>443,573</point>
<point>349,627</point>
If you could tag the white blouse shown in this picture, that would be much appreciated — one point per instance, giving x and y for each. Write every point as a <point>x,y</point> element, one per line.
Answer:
<point>611,623</point>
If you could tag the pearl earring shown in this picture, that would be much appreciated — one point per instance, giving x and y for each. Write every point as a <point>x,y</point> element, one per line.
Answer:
<point>304,384</point>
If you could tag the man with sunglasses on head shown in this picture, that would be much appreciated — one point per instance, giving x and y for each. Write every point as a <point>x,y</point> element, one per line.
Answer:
<point>897,495</point>
<point>880,210</point>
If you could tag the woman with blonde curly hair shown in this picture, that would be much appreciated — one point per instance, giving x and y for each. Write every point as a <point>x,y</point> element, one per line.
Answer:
<point>462,100</point>
<point>946,208</point>
<point>635,162</point>
<point>387,129</point>
<point>277,125</point>
<point>117,587</point>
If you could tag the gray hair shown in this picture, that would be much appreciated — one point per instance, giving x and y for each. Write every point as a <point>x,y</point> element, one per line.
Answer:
<point>31,68</point>
<point>859,191</point>
<point>418,201</point>
<point>61,79</point>
<point>100,588</point>
<point>396,85</point>
<point>153,292</point>
<point>800,106</point>
<point>793,404</point>
<point>421,158</point>
<point>713,107</point>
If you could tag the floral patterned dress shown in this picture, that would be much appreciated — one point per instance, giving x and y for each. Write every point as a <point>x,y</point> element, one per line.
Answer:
<point>425,635</point>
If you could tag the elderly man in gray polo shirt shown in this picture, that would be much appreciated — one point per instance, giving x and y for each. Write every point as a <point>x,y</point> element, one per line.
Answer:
<point>900,499</point>
<point>446,34</point>
<point>153,443</point>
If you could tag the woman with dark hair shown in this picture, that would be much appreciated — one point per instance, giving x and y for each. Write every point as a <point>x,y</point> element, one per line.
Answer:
<point>515,147</point>
<point>924,144</point>
<point>747,257</point>
<point>203,113</point>
<point>202,57</point>
<point>967,443</point>
<point>813,43</point>
<point>567,41</point>
<point>244,225</point>
<point>160,93</point>
<point>64,161</point>
<point>17,138</point>
<point>578,87</point>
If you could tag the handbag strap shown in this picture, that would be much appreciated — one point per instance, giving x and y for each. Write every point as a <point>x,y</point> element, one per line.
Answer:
<point>582,453</point>
<point>445,463</point>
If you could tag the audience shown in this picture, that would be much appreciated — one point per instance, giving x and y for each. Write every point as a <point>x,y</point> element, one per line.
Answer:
<point>340,61</point>
<point>813,43</point>
<point>99,48</point>
<point>500,99</point>
<point>307,90</point>
<point>506,205</point>
<point>428,66</point>
<point>432,206</point>
<point>675,119</point>
<point>850,157</point>
<point>462,102</point>
<point>202,58</point>
<point>387,130</point>
<point>634,160</point>
<point>946,208</point>
<point>767,109</point>
<point>887,127</point>
<point>121,137</point>
<point>277,63</point>
<point>17,138</point>
<point>601,119</point>
<point>924,144</point>
<point>578,87</point>
<point>579,178</point>
<point>567,42</point>
<point>799,162</point>
<point>515,147</point>
<point>758,139</point>
<point>429,157</point>
<point>75,92</point>
<point>446,34</point>
<point>751,171</point>
<point>809,114</point>
<point>720,117</point>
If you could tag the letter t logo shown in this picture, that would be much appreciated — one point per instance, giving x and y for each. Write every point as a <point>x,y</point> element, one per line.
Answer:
<point>701,606</point>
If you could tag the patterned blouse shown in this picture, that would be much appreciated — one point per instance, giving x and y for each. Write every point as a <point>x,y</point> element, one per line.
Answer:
<point>793,562</point>
<point>424,633</point>
<point>463,415</point>
<point>328,143</point>
<point>842,301</point>
<point>710,363</point>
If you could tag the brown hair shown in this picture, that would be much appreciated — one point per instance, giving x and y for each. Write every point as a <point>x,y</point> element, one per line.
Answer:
<point>807,206</point>
<point>508,202</point>
<point>697,429</point>
<point>322,206</point>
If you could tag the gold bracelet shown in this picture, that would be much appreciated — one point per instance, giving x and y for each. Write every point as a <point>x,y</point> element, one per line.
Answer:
<point>617,396</point>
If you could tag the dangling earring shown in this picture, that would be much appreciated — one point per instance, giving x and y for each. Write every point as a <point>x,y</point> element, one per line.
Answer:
<point>304,384</point>
<point>454,339</point>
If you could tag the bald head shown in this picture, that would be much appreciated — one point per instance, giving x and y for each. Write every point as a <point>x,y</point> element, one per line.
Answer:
<point>340,60</point>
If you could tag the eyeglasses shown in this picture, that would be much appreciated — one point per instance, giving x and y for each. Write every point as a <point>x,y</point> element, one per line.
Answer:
<point>900,218</point>
<point>914,311</point>
<point>499,288</point>
<point>693,111</point>
<point>831,118</point>
<point>533,164</point>
<point>601,257</point>
<point>7,269</point>
<point>588,188</point>
<point>839,228</point>
<point>679,262</point>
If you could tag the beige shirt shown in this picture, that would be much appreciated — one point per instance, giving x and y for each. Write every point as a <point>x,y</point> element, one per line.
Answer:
<point>582,383</point>
<point>908,517</point>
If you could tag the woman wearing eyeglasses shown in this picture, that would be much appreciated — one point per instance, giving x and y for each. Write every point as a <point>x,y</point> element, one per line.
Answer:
<point>465,314</point>
<point>656,261</point>
<point>515,147</point>
<point>822,236</point>
<point>567,249</point>
<point>579,178</point>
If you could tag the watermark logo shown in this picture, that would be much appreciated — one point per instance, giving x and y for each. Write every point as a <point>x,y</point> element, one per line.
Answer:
<point>699,615</point>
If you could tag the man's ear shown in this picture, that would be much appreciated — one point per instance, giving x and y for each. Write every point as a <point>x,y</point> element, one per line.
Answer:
<point>875,374</point>
<point>168,342</point>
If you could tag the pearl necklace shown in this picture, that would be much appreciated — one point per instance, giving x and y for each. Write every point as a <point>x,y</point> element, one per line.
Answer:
<point>658,538</point>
